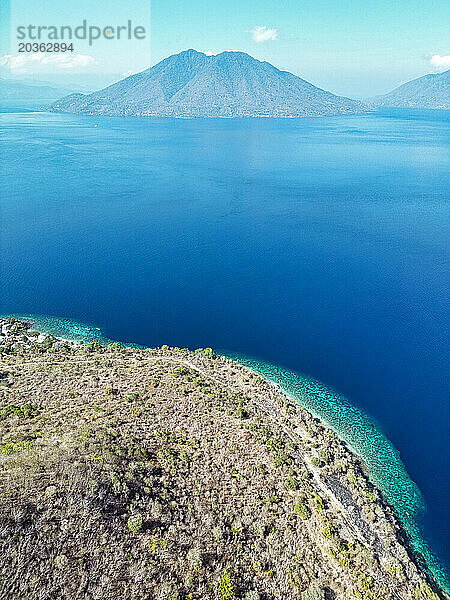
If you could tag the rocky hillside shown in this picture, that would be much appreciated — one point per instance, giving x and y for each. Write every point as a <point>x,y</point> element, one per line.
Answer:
<point>430,91</point>
<point>172,475</point>
<point>192,84</point>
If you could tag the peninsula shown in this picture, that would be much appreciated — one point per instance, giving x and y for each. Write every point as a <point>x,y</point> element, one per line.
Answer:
<point>173,474</point>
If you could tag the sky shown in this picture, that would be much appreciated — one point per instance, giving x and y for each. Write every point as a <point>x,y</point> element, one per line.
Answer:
<point>356,48</point>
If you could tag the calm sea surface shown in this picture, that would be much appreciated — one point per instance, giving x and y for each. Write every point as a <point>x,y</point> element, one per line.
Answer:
<point>316,245</point>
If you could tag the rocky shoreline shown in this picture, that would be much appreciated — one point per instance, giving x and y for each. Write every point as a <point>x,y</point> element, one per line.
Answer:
<point>18,335</point>
<point>212,480</point>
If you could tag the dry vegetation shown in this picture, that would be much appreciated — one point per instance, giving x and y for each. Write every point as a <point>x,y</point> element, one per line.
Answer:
<point>172,475</point>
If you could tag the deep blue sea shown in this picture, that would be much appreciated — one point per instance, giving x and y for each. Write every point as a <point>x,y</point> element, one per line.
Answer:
<point>316,246</point>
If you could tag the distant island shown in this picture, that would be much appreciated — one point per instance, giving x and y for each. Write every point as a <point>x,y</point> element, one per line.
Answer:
<point>429,91</point>
<point>18,91</point>
<point>173,474</point>
<point>192,84</point>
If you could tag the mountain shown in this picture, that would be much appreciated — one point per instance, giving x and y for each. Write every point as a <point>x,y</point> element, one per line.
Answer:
<point>430,91</point>
<point>192,84</point>
<point>11,89</point>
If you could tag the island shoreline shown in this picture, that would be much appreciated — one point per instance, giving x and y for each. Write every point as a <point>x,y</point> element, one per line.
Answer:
<point>15,341</point>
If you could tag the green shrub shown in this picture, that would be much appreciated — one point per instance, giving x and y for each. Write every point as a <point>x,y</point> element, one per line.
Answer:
<point>93,347</point>
<point>226,588</point>
<point>329,530</point>
<point>115,346</point>
<point>301,509</point>
<point>292,483</point>
<point>135,522</point>
<point>370,496</point>
<point>241,412</point>
<point>281,458</point>
<point>365,582</point>
<point>11,447</point>
<point>208,352</point>
<point>26,411</point>
<point>320,506</point>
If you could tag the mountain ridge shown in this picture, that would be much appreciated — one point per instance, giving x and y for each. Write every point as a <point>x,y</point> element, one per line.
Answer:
<point>429,91</point>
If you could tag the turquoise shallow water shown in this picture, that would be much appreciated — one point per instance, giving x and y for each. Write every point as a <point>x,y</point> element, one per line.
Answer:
<point>363,436</point>
<point>68,329</point>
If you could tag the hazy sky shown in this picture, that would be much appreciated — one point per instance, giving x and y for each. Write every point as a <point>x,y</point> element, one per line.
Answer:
<point>350,47</point>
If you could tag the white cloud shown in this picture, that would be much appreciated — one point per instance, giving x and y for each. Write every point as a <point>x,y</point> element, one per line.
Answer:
<point>41,61</point>
<point>440,63</point>
<point>262,33</point>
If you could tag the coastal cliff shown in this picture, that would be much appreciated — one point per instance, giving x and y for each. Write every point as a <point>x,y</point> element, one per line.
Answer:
<point>170,474</point>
